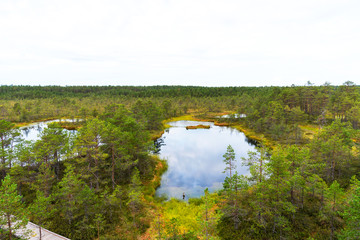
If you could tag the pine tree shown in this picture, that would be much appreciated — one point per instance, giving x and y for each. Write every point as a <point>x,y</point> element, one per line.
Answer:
<point>277,188</point>
<point>135,195</point>
<point>257,163</point>
<point>99,221</point>
<point>229,160</point>
<point>75,203</point>
<point>41,210</point>
<point>91,156</point>
<point>13,213</point>
<point>334,197</point>
<point>8,135</point>
<point>351,213</point>
<point>333,146</point>
<point>258,166</point>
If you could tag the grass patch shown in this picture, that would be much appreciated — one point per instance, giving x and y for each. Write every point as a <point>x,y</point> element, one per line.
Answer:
<point>198,127</point>
<point>153,184</point>
<point>188,117</point>
<point>156,134</point>
<point>309,131</point>
<point>222,124</point>
<point>259,137</point>
<point>24,124</point>
<point>71,125</point>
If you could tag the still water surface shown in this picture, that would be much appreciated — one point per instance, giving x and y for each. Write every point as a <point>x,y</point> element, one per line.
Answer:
<point>32,131</point>
<point>195,157</point>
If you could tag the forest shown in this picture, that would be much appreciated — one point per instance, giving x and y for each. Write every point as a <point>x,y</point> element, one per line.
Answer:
<point>100,183</point>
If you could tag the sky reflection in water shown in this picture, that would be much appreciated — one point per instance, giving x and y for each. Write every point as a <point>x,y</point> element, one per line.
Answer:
<point>31,132</point>
<point>195,158</point>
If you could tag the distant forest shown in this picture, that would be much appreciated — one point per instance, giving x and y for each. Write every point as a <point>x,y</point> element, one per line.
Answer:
<point>33,92</point>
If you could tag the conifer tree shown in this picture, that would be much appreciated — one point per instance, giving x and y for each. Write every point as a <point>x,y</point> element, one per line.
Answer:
<point>334,197</point>
<point>135,194</point>
<point>351,213</point>
<point>258,167</point>
<point>41,210</point>
<point>229,160</point>
<point>75,203</point>
<point>13,213</point>
<point>8,135</point>
<point>276,190</point>
<point>91,156</point>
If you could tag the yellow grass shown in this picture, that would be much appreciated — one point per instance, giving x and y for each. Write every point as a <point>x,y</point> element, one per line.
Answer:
<point>188,117</point>
<point>24,124</point>
<point>255,136</point>
<point>221,124</point>
<point>198,126</point>
<point>156,134</point>
<point>309,131</point>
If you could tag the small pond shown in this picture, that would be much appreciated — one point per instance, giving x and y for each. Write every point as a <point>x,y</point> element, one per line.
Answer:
<point>195,157</point>
<point>33,130</point>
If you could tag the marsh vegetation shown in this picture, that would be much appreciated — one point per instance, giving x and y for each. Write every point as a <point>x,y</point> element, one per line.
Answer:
<point>301,182</point>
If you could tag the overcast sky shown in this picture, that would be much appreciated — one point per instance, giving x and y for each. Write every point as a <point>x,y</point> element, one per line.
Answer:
<point>182,42</point>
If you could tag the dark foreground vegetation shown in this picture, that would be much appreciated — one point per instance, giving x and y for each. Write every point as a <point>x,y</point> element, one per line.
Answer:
<point>100,183</point>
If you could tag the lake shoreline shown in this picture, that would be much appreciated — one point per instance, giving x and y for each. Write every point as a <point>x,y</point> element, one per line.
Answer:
<point>249,133</point>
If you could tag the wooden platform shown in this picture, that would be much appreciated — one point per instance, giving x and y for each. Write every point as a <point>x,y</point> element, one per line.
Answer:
<point>33,230</point>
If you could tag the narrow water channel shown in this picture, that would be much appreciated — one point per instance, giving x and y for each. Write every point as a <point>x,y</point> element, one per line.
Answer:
<point>195,157</point>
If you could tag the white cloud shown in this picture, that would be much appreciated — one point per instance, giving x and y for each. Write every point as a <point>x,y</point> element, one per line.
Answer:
<point>188,42</point>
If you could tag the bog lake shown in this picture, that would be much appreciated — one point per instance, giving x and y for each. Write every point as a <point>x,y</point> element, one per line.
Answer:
<point>195,157</point>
